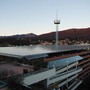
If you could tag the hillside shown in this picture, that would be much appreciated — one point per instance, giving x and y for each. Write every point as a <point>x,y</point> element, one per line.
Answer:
<point>23,39</point>
<point>29,35</point>
<point>83,33</point>
<point>27,39</point>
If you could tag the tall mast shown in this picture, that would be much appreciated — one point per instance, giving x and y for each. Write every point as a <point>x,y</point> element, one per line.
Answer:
<point>57,22</point>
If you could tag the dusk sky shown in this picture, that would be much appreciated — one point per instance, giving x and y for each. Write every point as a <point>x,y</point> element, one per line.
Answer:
<point>37,16</point>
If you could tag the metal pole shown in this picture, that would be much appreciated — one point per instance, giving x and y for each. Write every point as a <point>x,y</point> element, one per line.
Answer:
<point>67,77</point>
<point>56,36</point>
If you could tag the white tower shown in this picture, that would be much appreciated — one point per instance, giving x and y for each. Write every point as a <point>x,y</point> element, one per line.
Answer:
<point>57,22</point>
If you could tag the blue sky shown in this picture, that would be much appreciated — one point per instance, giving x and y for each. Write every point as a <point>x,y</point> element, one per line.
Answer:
<point>37,16</point>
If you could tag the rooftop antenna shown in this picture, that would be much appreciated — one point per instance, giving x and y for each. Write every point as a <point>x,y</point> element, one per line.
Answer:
<point>56,22</point>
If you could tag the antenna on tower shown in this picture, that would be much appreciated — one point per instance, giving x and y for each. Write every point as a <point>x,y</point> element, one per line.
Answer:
<point>57,15</point>
<point>56,22</point>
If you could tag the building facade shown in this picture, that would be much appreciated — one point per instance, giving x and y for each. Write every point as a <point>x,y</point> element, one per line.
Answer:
<point>54,70</point>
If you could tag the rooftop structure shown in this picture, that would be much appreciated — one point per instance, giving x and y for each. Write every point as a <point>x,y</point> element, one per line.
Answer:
<point>20,51</point>
<point>62,69</point>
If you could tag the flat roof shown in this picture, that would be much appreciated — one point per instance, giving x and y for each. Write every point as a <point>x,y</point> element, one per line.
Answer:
<point>20,51</point>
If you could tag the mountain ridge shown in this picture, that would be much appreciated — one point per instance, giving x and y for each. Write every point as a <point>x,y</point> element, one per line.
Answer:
<point>73,33</point>
<point>65,36</point>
